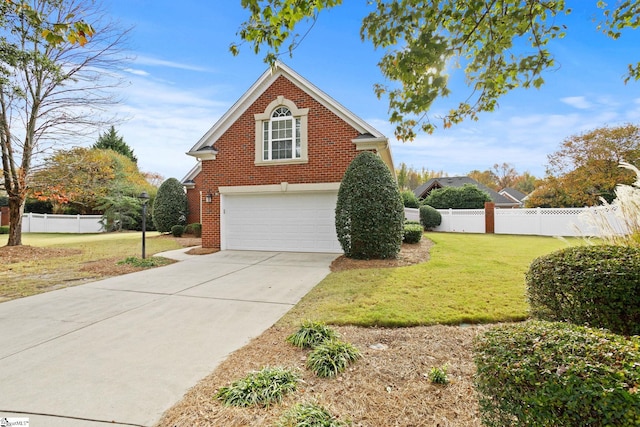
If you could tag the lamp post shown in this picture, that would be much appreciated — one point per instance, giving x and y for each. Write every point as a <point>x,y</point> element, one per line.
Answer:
<point>144,196</point>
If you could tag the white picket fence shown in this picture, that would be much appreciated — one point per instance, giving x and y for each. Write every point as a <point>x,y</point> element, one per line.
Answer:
<point>49,223</point>
<point>536,221</point>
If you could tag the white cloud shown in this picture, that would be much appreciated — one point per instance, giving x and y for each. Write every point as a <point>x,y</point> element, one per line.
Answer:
<point>136,72</point>
<point>579,102</point>
<point>155,62</point>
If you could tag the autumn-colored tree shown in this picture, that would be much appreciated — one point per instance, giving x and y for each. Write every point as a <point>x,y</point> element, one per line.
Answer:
<point>503,45</point>
<point>81,178</point>
<point>502,176</point>
<point>52,83</point>
<point>486,177</point>
<point>586,168</point>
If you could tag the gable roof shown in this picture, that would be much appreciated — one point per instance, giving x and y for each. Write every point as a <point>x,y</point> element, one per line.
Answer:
<point>512,193</point>
<point>458,181</point>
<point>368,134</point>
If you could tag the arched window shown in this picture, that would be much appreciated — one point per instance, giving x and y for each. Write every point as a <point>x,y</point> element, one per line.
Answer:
<point>281,133</point>
<point>281,139</point>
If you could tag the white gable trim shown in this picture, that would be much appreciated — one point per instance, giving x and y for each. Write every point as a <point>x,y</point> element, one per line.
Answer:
<point>258,88</point>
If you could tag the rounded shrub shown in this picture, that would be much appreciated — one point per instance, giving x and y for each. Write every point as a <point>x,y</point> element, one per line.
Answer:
<point>194,228</point>
<point>430,218</point>
<point>177,230</point>
<point>409,199</point>
<point>557,374</point>
<point>169,206</point>
<point>412,233</point>
<point>598,286</point>
<point>369,211</point>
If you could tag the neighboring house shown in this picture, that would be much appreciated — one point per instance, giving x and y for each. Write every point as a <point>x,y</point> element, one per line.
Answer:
<point>458,181</point>
<point>514,195</point>
<point>269,170</point>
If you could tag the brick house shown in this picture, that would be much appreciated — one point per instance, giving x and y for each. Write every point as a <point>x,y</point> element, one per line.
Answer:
<point>269,169</point>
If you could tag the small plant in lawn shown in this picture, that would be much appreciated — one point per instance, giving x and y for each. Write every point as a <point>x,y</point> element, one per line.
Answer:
<point>331,358</point>
<point>439,375</point>
<point>312,334</point>
<point>309,415</point>
<point>144,263</point>
<point>261,388</point>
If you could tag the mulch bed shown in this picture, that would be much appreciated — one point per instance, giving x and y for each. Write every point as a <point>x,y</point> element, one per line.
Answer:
<point>389,386</point>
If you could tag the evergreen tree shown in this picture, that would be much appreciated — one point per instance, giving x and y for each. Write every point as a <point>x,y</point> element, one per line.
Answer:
<point>170,206</point>
<point>110,140</point>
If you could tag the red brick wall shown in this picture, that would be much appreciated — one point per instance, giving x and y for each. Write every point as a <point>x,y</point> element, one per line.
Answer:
<point>330,150</point>
<point>193,199</point>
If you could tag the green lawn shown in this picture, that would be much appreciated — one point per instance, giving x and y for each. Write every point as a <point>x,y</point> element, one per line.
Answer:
<point>471,278</point>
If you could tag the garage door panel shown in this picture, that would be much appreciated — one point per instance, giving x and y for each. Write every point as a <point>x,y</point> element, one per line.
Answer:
<point>281,222</point>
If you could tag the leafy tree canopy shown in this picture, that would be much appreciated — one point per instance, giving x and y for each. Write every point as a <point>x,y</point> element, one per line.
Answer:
<point>502,45</point>
<point>110,140</point>
<point>82,178</point>
<point>586,168</point>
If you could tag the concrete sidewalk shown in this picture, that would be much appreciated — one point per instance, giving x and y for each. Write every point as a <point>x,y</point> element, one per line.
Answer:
<point>123,350</point>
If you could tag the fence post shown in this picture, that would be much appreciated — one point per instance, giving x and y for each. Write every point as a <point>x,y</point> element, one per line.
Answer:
<point>489,217</point>
<point>539,215</point>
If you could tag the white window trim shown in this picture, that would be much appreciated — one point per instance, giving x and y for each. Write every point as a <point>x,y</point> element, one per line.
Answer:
<point>296,113</point>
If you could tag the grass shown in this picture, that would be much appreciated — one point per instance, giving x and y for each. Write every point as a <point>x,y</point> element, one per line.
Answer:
<point>470,278</point>
<point>81,257</point>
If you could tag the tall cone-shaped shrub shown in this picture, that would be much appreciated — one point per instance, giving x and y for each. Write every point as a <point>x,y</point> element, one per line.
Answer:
<point>170,206</point>
<point>369,211</point>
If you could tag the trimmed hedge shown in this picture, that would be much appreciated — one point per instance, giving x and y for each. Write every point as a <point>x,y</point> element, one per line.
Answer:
<point>369,210</point>
<point>4,229</point>
<point>412,233</point>
<point>468,196</point>
<point>430,218</point>
<point>409,199</point>
<point>557,374</point>
<point>598,286</point>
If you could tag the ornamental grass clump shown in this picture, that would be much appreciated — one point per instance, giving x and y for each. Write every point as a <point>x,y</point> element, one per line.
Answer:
<point>332,358</point>
<point>261,388</point>
<point>623,227</point>
<point>312,334</point>
<point>309,415</point>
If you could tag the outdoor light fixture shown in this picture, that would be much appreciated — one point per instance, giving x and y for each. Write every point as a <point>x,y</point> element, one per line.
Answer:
<point>208,198</point>
<point>144,197</point>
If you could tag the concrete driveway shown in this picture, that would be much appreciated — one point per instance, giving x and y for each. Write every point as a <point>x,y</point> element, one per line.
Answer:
<point>123,350</point>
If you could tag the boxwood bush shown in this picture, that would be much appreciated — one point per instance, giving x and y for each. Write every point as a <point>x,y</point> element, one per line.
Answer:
<point>598,286</point>
<point>369,211</point>
<point>412,233</point>
<point>177,230</point>
<point>557,374</point>
<point>194,228</point>
<point>4,229</point>
<point>430,218</point>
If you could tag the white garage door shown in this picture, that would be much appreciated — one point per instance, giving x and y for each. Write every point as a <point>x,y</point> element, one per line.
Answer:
<point>298,222</point>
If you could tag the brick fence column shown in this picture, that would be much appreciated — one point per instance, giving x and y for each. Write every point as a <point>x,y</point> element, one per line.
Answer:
<point>4,215</point>
<point>489,217</point>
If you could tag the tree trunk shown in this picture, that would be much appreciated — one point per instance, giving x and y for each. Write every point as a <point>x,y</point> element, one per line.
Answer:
<point>16,209</point>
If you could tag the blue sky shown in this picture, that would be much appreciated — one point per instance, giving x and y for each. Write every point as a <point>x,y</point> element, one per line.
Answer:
<point>181,78</point>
